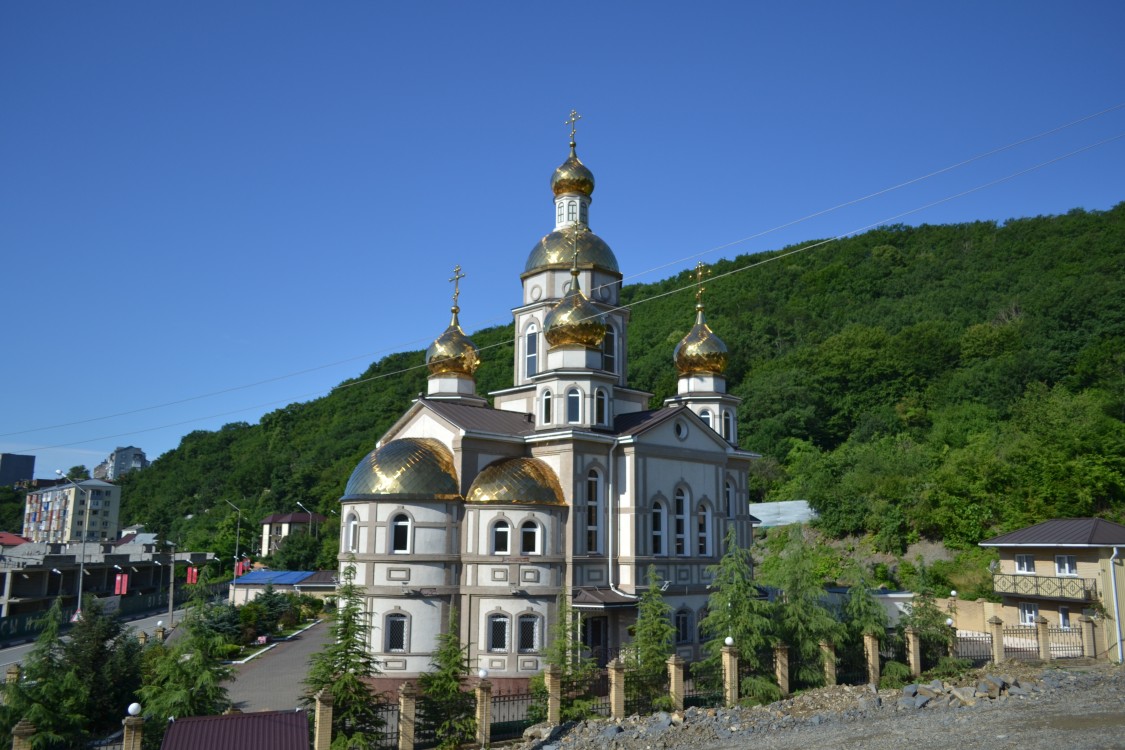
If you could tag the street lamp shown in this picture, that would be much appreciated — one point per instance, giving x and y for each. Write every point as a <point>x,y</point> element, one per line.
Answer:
<point>311,519</point>
<point>237,538</point>
<point>171,584</point>
<point>85,533</point>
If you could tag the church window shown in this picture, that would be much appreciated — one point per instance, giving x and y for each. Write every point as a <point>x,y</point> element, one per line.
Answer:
<point>593,512</point>
<point>573,406</point>
<point>395,630</point>
<point>609,349</point>
<point>353,533</point>
<point>559,213</point>
<point>501,538</point>
<point>572,211</point>
<point>498,633</point>
<point>728,426</point>
<point>531,350</point>
<point>400,534</point>
<point>528,634</point>
<point>729,498</point>
<point>529,538</point>
<point>659,524</point>
<point>705,415</point>
<point>680,521</point>
<point>546,408</point>
<point>582,213</point>
<point>703,531</point>
<point>601,407</point>
<point>683,626</point>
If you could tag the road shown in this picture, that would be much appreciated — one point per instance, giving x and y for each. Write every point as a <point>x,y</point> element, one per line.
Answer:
<point>16,654</point>
<point>272,682</point>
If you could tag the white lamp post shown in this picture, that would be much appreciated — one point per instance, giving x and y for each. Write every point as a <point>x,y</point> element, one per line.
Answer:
<point>85,533</point>
<point>237,539</point>
<point>311,520</point>
<point>171,584</point>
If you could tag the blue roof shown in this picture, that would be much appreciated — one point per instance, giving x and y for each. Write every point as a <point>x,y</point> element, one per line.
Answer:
<point>275,577</point>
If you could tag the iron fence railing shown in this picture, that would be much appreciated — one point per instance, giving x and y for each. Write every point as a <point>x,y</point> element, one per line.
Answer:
<point>1066,643</point>
<point>1021,643</point>
<point>975,647</point>
<point>1048,587</point>
<point>511,714</point>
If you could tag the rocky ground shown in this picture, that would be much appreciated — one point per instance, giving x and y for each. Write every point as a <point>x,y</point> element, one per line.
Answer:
<point>1076,709</point>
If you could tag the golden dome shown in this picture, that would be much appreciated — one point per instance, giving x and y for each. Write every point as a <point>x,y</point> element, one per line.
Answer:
<point>516,481</point>
<point>701,351</point>
<point>453,353</point>
<point>574,320</point>
<point>557,249</point>
<point>408,468</point>
<point>572,176</point>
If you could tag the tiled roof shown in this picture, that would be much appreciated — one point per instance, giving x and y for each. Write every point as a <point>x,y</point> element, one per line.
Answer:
<point>8,539</point>
<point>264,730</point>
<point>484,419</point>
<point>1063,532</point>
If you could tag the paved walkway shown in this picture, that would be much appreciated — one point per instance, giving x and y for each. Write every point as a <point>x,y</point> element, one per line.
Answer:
<point>273,681</point>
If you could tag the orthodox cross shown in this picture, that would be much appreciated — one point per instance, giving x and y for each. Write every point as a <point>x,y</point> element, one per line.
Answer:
<point>572,121</point>
<point>701,272</point>
<point>456,279</point>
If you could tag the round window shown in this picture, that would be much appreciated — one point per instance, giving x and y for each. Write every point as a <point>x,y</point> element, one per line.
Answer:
<point>681,429</point>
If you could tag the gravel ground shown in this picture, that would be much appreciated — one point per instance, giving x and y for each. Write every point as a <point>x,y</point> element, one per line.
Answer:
<point>1081,709</point>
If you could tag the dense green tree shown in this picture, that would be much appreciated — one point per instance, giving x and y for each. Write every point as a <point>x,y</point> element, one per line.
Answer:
<point>576,669</point>
<point>342,668</point>
<point>445,707</point>
<point>296,552</point>
<point>102,652</point>
<point>653,642</point>
<point>12,502</point>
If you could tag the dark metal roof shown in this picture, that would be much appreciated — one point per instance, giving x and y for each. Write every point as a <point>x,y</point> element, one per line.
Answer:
<point>601,598</point>
<point>1064,532</point>
<point>294,518</point>
<point>638,421</point>
<point>484,418</point>
<point>264,730</point>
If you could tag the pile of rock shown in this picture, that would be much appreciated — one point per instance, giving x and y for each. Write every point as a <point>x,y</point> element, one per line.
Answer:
<point>990,687</point>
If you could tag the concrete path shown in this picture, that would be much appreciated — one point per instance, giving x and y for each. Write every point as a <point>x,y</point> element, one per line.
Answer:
<point>274,680</point>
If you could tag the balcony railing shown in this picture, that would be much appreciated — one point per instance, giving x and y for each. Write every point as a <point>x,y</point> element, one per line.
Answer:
<point>1047,587</point>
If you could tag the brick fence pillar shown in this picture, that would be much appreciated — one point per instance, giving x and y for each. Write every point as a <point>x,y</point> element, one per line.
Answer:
<point>914,652</point>
<point>996,629</point>
<point>781,667</point>
<point>22,733</point>
<point>1089,645</point>
<point>133,732</point>
<point>553,682</point>
<point>730,676</point>
<point>828,651</point>
<point>484,713</point>
<point>407,715</point>
<point>1044,637</point>
<point>322,721</point>
<point>617,689</point>
<point>871,651</point>
<point>676,682</point>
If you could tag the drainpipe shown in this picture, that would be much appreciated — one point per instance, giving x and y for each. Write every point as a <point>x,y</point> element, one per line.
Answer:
<point>1116,609</point>
<point>609,524</point>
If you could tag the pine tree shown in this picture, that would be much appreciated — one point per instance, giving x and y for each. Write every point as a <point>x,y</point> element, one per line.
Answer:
<point>653,642</point>
<point>342,667</point>
<point>445,708</point>
<point>566,653</point>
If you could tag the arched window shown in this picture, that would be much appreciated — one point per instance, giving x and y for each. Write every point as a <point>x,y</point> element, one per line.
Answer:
<point>531,350</point>
<point>703,531</point>
<point>529,538</point>
<point>395,633</point>
<point>559,213</point>
<point>705,415</point>
<point>680,500</point>
<point>601,407</point>
<point>728,426</point>
<point>498,633</point>
<point>582,213</point>
<point>609,349</point>
<point>545,411</point>
<point>659,528</point>
<point>353,533</point>
<point>572,211</point>
<point>573,406</point>
<point>400,534</point>
<point>728,498</point>
<point>501,538</point>
<point>683,626</point>
<point>593,512</point>
<point>528,634</point>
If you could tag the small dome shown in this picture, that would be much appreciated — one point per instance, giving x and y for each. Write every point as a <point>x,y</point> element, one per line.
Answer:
<point>574,320</point>
<point>516,481</point>
<point>453,353</point>
<point>408,468</point>
<point>701,351</point>
<point>557,249</point>
<point>572,176</point>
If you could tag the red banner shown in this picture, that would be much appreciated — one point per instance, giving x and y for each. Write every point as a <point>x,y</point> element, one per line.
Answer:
<point>121,585</point>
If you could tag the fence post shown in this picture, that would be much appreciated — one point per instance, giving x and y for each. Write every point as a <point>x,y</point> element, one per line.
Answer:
<point>159,633</point>
<point>322,720</point>
<point>22,733</point>
<point>133,732</point>
<point>730,675</point>
<point>554,694</point>
<point>1089,645</point>
<point>142,638</point>
<point>781,667</point>
<point>996,628</point>
<point>617,689</point>
<point>407,705</point>
<point>871,651</point>
<point>828,651</point>
<point>676,682</point>
<point>1044,637</point>
<point>12,673</point>
<point>484,713</point>
<point>914,652</point>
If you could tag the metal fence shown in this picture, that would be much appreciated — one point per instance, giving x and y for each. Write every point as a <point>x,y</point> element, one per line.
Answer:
<point>976,647</point>
<point>1021,643</point>
<point>1066,643</point>
<point>511,714</point>
<point>388,713</point>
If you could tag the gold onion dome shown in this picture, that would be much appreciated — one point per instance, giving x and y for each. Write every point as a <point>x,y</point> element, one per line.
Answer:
<point>453,353</point>
<point>701,351</point>
<point>516,481</point>
<point>408,468</point>
<point>572,176</point>
<point>574,320</point>
<point>557,248</point>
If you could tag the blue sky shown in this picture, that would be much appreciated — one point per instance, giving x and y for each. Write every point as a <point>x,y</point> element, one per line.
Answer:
<point>257,199</point>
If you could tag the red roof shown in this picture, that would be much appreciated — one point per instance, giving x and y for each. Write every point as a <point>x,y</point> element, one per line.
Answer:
<point>262,730</point>
<point>1064,532</point>
<point>8,539</point>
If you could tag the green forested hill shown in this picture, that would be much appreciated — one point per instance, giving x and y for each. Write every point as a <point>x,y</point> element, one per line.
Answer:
<point>938,382</point>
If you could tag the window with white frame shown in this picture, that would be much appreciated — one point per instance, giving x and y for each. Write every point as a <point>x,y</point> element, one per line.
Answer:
<point>593,512</point>
<point>1064,618</point>
<point>559,213</point>
<point>609,349</point>
<point>528,635</point>
<point>529,538</point>
<point>682,621</point>
<point>353,533</point>
<point>659,528</point>
<point>705,415</point>
<point>573,406</point>
<point>501,538</point>
<point>728,425</point>
<point>545,411</point>
<point>703,531</point>
<point>601,407</point>
<point>1025,563</point>
<point>572,211</point>
<point>531,350</point>
<point>498,633</point>
<point>729,498</point>
<point>1029,613</point>
<point>679,520</point>
<point>1066,565</point>
<point>400,534</point>
<point>395,633</point>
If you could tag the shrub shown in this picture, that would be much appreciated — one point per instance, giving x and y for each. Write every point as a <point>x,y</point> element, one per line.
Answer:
<point>895,675</point>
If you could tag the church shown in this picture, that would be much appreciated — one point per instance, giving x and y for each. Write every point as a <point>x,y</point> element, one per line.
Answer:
<point>567,482</point>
